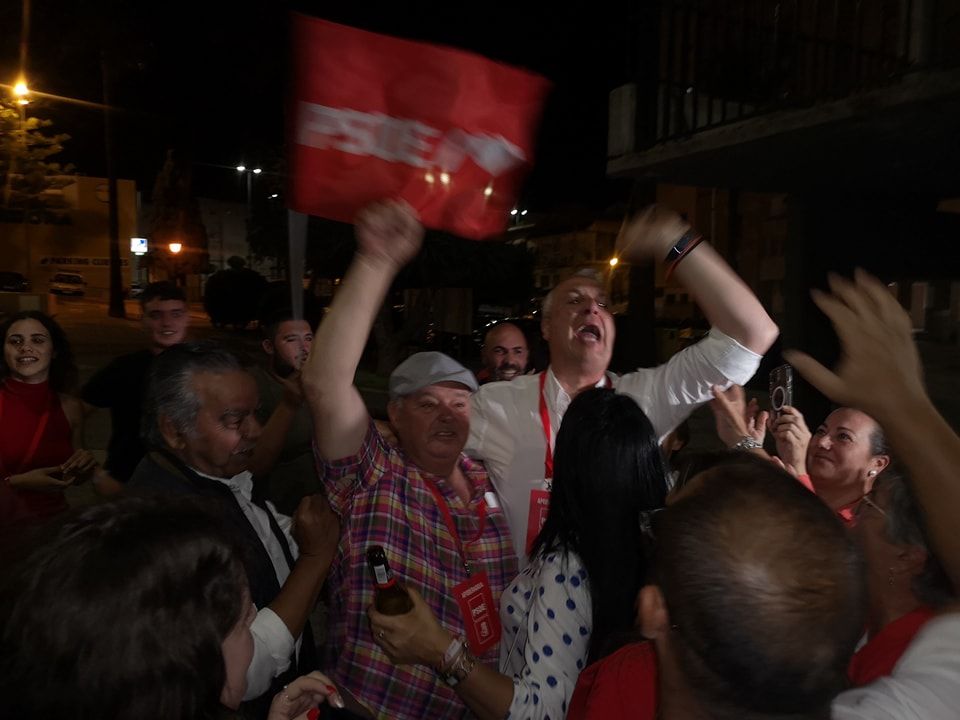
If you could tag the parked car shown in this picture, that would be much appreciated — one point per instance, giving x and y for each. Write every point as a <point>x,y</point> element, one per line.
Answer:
<point>63,283</point>
<point>13,282</point>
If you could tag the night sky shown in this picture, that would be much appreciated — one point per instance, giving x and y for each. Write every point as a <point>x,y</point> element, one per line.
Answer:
<point>209,79</point>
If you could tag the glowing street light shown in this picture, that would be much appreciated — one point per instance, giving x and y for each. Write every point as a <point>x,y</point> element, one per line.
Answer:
<point>20,90</point>
<point>514,211</point>
<point>614,261</point>
<point>176,247</point>
<point>257,171</point>
<point>241,168</point>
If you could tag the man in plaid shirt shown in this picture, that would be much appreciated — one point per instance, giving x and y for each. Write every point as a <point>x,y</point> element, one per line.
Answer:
<point>391,496</point>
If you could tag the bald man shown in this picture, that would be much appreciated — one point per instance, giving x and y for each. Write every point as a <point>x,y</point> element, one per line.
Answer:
<point>505,353</point>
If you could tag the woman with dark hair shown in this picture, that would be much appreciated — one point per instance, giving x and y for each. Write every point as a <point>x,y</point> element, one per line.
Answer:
<point>575,601</point>
<point>41,427</point>
<point>905,583</point>
<point>136,609</point>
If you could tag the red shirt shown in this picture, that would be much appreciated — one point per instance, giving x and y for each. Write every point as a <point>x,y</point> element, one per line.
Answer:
<point>22,410</point>
<point>621,686</point>
<point>879,656</point>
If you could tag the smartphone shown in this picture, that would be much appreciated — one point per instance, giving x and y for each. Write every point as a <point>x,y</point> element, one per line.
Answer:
<point>781,388</point>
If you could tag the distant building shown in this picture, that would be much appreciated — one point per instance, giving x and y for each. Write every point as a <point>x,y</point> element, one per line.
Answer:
<point>80,244</point>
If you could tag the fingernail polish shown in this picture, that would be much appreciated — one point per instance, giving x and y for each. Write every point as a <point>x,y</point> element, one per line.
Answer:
<point>313,713</point>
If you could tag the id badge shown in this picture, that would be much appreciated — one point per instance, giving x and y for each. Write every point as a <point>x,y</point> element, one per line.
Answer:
<point>480,619</point>
<point>537,515</point>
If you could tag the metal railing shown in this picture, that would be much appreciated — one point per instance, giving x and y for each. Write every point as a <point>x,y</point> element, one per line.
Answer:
<point>726,60</point>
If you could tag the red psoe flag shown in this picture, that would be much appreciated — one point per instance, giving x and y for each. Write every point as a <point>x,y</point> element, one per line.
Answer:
<point>375,117</point>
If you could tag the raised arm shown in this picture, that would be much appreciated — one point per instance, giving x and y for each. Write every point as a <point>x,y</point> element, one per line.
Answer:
<point>880,373</point>
<point>388,236</point>
<point>726,301</point>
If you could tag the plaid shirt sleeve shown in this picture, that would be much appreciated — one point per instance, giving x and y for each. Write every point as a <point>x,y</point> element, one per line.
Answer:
<point>343,478</point>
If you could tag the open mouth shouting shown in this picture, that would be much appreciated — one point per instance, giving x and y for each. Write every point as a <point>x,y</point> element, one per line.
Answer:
<point>589,333</point>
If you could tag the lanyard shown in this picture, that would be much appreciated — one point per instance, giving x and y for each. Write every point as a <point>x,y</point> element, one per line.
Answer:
<point>545,421</point>
<point>34,442</point>
<point>452,528</point>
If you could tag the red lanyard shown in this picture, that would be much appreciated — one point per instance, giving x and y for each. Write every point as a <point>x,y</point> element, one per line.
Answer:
<point>545,420</point>
<point>34,443</point>
<point>448,519</point>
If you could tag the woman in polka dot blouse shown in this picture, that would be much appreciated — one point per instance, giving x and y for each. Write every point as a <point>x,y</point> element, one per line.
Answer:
<point>574,603</point>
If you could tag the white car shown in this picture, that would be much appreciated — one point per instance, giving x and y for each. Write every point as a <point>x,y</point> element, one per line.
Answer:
<point>63,283</point>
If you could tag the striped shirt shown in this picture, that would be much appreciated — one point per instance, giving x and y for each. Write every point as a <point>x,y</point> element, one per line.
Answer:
<point>382,498</point>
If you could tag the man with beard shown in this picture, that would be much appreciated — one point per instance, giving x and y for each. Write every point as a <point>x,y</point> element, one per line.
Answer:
<point>283,460</point>
<point>505,353</point>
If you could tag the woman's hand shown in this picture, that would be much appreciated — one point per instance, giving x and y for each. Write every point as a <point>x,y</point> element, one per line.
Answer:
<point>41,479</point>
<point>79,466</point>
<point>414,638</point>
<point>793,438</point>
<point>304,693</point>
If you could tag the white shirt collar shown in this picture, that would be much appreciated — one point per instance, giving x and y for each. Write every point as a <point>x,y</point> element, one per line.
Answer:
<point>241,483</point>
<point>558,399</point>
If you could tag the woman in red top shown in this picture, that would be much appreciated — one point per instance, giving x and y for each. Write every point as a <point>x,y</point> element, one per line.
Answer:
<point>40,427</point>
<point>905,583</point>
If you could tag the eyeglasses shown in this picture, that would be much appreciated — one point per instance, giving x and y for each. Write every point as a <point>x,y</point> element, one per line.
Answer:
<point>868,501</point>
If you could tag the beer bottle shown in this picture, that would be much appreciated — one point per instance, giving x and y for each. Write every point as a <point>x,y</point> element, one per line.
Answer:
<point>390,597</point>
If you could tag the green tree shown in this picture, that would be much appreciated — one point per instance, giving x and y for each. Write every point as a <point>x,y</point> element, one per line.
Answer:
<point>28,177</point>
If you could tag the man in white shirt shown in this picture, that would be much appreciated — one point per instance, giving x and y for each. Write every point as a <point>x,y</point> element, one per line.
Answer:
<point>515,424</point>
<point>203,431</point>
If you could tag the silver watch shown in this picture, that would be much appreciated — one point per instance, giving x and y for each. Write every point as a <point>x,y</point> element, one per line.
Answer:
<point>747,443</point>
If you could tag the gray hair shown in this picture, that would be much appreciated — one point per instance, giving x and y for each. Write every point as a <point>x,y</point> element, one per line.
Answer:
<point>904,526</point>
<point>170,391</point>
<point>588,273</point>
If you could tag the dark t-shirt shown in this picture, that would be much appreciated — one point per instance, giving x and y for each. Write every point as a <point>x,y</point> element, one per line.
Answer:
<point>120,386</point>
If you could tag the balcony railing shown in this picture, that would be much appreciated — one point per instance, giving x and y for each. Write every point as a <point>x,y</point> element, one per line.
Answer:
<point>721,61</point>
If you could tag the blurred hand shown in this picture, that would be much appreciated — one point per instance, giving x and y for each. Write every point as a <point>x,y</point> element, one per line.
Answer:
<point>303,694</point>
<point>879,368</point>
<point>389,231</point>
<point>736,418</point>
<point>650,235</point>
<point>793,438</point>
<point>49,478</point>
<point>79,466</point>
<point>414,638</point>
<point>316,528</point>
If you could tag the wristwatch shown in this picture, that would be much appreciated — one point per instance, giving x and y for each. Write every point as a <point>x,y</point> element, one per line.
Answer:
<point>747,443</point>
<point>680,246</point>
<point>462,666</point>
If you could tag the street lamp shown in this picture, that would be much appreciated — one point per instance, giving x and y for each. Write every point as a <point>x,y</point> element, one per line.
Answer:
<point>176,247</point>
<point>614,261</point>
<point>20,90</point>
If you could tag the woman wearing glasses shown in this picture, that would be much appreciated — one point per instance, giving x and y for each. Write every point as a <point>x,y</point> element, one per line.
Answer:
<point>905,582</point>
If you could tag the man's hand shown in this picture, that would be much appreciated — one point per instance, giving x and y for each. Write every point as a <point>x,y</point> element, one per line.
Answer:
<point>736,418</point>
<point>879,369</point>
<point>414,638</point>
<point>793,438</point>
<point>316,528</point>
<point>48,478</point>
<point>388,231</point>
<point>650,235</point>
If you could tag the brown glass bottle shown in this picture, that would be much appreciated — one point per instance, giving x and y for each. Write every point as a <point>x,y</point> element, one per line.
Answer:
<point>390,597</point>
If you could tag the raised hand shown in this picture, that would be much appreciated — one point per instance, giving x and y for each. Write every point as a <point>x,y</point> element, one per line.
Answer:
<point>650,235</point>
<point>388,231</point>
<point>879,368</point>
